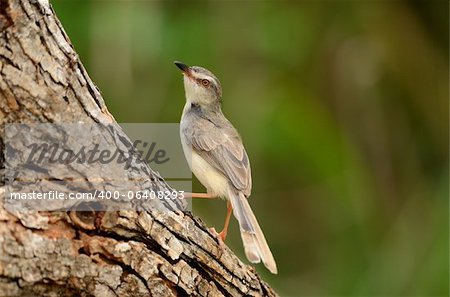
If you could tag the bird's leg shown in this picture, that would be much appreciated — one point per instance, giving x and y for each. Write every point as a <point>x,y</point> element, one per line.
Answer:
<point>198,195</point>
<point>223,233</point>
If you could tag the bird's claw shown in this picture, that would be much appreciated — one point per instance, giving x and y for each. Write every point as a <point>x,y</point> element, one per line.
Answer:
<point>219,236</point>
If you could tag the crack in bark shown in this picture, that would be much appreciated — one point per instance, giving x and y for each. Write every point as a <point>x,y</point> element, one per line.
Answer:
<point>205,267</point>
<point>127,269</point>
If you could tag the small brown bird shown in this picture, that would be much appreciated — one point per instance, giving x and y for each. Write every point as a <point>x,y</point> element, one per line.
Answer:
<point>217,157</point>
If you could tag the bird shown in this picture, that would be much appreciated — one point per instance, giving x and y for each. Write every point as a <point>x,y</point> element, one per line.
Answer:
<point>217,157</point>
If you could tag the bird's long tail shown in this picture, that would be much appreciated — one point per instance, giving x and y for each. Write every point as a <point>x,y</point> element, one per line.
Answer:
<point>255,244</point>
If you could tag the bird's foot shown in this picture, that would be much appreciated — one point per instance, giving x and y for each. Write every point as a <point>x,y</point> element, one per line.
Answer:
<point>220,236</point>
<point>223,235</point>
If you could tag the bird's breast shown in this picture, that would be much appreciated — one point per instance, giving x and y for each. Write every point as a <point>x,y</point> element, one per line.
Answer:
<point>214,181</point>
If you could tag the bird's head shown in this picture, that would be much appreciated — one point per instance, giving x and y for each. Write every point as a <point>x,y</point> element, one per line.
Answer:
<point>201,85</point>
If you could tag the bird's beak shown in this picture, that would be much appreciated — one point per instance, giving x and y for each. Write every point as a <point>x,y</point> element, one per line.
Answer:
<point>183,67</point>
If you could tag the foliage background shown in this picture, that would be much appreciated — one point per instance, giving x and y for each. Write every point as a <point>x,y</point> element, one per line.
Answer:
<point>343,107</point>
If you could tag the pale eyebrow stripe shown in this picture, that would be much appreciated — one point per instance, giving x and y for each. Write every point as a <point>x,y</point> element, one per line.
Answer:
<point>199,76</point>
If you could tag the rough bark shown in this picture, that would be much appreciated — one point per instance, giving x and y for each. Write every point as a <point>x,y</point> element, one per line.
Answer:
<point>152,252</point>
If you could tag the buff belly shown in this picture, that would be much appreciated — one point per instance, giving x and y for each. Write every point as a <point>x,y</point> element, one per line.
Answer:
<point>214,182</point>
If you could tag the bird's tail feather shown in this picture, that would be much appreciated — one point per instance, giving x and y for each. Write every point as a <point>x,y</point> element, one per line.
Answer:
<point>255,244</point>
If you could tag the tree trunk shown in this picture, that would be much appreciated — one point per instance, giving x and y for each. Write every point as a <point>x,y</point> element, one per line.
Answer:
<point>153,251</point>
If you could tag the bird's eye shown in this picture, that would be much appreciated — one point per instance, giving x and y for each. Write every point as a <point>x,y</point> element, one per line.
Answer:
<point>205,82</point>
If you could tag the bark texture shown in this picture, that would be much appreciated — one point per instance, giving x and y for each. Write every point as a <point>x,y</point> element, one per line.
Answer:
<point>153,252</point>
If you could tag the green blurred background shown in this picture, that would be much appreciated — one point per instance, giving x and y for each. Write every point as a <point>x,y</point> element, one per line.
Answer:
<point>343,108</point>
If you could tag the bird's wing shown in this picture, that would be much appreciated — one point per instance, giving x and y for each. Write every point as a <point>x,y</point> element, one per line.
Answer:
<point>221,146</point>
